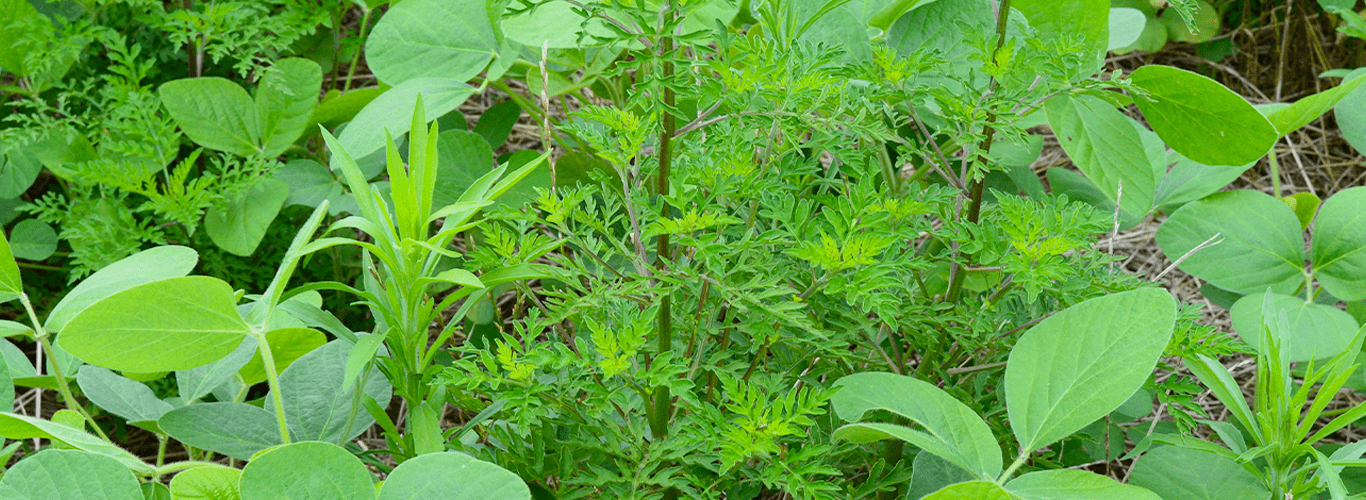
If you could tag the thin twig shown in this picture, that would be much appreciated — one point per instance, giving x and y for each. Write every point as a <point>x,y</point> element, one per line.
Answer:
<point>1208,243</point>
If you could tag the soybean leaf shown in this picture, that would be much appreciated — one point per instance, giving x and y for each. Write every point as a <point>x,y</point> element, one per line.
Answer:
<point>431,38</point>
<point>121,396</point>
<point>155,491</point>
<point>1202,119</point>
<point>284,102</point>
<point>1305,205</point>
<point>496,122</point>
<point>239,225</point>
<point>1083,362</point>
<point>341,109</point>
<point>197,382</point>
<point>1065,484</point>
<point>392,111</point>
<point>213,112</point>
<point>33,239</point>
<point>6,387</point>
<point>452,476</point>
<point>1107,147</point>
<point>463,157</point>
<point>316,407</point>
<point>942,27</point>
<point>14,426</point>
<point>1084,19</point>
<point>1126,27</point>
<point>975,490</point>
<point>237,430</point>
<point>1339,263</point>
<point>10,283</point>
<point>1316,331</point>
<point>1188,181</point>
<point>952,430</point>
<point>286,346</point>
<point>929,474</point>
<point>19,167</point>
<point>54,474</point>
<point>1176,473</point>
<point>207,483</point>
<point>1262,243</point>
<point>153,264</point>
<point>173,324</point>
<point>310,183</point>
<point>307,471</point>
<point>1308,109</point>
<point>1351,114</point>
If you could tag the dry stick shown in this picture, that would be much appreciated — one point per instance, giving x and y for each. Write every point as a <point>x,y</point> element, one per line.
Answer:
<point>1285,40</point>
<point>545,121</point>
<point>1114,231</point>
<point>1208,243</point>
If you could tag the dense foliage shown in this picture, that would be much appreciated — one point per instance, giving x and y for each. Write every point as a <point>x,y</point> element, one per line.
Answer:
<point>774,248</point>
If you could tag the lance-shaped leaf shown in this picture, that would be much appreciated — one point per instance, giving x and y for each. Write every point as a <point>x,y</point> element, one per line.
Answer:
<point>1339,238</point>
<point>307,471</point>
<point>1262,245</point>
<point>951,430</point>
<point>173,324</point>
<point>1202,119</point>
<point>14,426</point>
<point>1083,362</point>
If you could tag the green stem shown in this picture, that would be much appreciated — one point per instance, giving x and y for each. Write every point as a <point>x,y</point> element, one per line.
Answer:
<point>62,386</point>
<point>663,401</point>
<point>1024,455</point>
<point>355,58</point>
<point>181,466</point>
<point>1275,174</point>
<point>273,380</point>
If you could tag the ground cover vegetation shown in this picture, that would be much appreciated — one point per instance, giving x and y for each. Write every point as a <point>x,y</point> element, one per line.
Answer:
<point>787,249</point>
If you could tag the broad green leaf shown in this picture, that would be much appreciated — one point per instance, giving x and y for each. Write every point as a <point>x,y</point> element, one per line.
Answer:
<point>341,109</point>
<point>392,111</point>
<point>1206,24</point>
<point>1317,331</point>
<point>6,387</point>
<point>929,474</point>
<point>1071,19</point>
<point>1261,246</point>
<point>237,430</point>
<point>1350,114</point>
<point>284,102</point>
<point>1107,147</point>
<point>496,122</point>
<point>155,491</point>
<point>16,361</point>
<point>431,38</point>
<point>1305,205</point>
<point>976,490</point>
<point>307,471</point>
<point>310,183</point>
<point>1176,473</point>
<point>10,283</point>
<point>1126,26</point>
<point>239,225</point>
<point>316,407</point>
<point>197,382</point>
<point>936,27</point>
<point>1338,241</point>
<point>19,167</point>
<point>1189,181</point>
<point>153,264</point>
<point>63,152</point>
<point>452,476</point>
<point>463,157</point>
<point>952,430</point>
<point>1202,119</point>
<point>286,346</point>
<point>121,396</point>
<point>207,483</point>
<point>1083,362</point>
<point>18,22</point>
<point>838,27</point>
<point>1064,484</point>
<point>215,113</point>
<point>1306,110</point>
<point>72,475</point>
<point>13,426</point>
<point>33,239</point>
<point>554,22</point>
<point>173,324</point>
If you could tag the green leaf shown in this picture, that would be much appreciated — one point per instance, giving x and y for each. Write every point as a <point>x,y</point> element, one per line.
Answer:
<point>1338,240</point>
<point>463,157</point>
<point>1077,187</point>
<point>284,102</point>
<point>952,430</point>
<point>360,356</point>
<point>341,109</point>
<point>1176,473</point>
<point>33,239</point>
<point>1083,362</point>
<point>19,21</point>
<point>310,184</point>
<point>197,382</point>
<point>316,407</point>
<point>454,476</point>
<point>976,490</point>
<point>1189,181</point>
<point>939,27</point>
<point>155,491</point>
<point>14,426</point>
<point>554,22</point>
<point>1305,205</point>
<point>207,483</point>
<point>6,386</point>
<point>173,324</point>
<point>392,111</point>
<point>1306,110</point>
<point>153,264</point>
<point>496,122</point>
<point>239,225</point>
<point>286,346</point>
<point>1126,27</point>
<point>929,474</point>
<point>121,396</point>
<point>71,475</point>
<point>18,169</point>
<point>1262,243</point>
<point>237,430</point>
<point>1084,19</point>
<point>1064,484</point>
<point>10,283</point>
<point>214,113</point>
<point>307,471</point>
<point>1317,331</point>
<point>1106,146</point>
<point>1350,114</point>
<point>431,38</point>
<point>1202,119</point>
